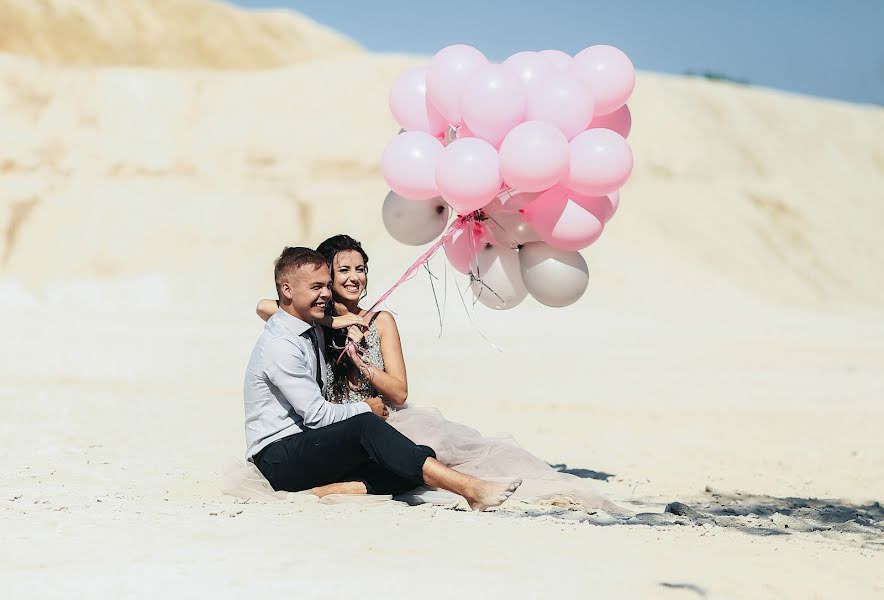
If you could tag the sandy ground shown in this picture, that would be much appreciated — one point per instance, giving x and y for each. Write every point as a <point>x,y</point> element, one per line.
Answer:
<point>115,441</point>
<point>728,355</point>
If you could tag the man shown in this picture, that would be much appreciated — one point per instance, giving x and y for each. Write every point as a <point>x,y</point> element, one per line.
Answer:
<point>298,440</point>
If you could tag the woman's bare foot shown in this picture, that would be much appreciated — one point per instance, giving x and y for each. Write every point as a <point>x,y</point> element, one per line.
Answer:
<point>345,487</point>
<point>480,494</point>
<point>485,494</point>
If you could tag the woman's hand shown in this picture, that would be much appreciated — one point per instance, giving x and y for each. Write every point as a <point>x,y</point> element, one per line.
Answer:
<point>356,334</point>
<point>356,359</point>
<point>364,368</point>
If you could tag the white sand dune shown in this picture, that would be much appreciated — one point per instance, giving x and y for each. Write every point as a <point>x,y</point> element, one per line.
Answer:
<point>732,336</point>
<point>163,33</point>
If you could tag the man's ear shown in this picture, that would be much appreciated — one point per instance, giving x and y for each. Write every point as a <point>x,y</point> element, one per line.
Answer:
<point>285,288</point>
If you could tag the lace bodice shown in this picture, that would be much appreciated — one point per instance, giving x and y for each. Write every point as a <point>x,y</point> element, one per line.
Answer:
<point>363,388</point>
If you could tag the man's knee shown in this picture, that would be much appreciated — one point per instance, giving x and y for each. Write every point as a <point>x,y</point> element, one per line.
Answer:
<point>430,452</point>
<point>368,420</point>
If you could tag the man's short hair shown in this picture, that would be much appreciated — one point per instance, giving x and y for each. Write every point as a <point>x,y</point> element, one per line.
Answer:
<point>293,258</point>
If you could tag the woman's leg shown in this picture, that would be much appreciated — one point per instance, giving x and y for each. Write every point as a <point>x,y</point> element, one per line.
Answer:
<point>417,464</point>
<point>480,494</point>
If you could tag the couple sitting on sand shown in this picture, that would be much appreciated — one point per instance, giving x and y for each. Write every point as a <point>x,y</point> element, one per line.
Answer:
<point>327,426</point>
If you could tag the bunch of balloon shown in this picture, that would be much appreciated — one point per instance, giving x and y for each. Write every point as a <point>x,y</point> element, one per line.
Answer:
<point>529,154</point>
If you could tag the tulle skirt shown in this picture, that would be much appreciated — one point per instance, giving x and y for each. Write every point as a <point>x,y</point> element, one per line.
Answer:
<point>465,450</point>
<point>497,458</point>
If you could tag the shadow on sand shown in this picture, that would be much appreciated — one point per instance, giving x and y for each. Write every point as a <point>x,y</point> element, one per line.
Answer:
<point>752,514</point>
<point>582,473</point>
<point>764,515</point>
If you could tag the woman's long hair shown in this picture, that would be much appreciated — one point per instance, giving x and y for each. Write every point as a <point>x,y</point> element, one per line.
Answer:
<point>342,243</point>
<point>340,370</point>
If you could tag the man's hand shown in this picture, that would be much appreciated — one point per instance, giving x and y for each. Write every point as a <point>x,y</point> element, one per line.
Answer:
<point>347,320</point>
<point>378,407</point>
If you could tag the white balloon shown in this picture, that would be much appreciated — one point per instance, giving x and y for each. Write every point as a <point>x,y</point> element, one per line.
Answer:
<point>414,222</point>
<point>497,279</point>
<point>507,226</point>
<point>450,135</point>
<point>553,277</point>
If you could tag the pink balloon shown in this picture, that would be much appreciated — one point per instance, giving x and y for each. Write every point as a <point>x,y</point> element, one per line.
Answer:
<point>468,174</point>
<point>534,156</point>
<point>462,248</point>
<point>531,67</point>
<point>567,220</point>
<point>614,199</point>
<point>562,100</point>
<point>609,74</point>
<point>449,71</point>
<point>559,59</point>
<point>603,207</point>
<point>493,102</point>
<point>464,132</point>
<point>601,162</point>
<point>409,105</point>
<point>409,165</point>
<point>620,121</point>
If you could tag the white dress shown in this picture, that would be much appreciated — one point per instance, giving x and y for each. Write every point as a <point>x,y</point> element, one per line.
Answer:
<point>466,450</point>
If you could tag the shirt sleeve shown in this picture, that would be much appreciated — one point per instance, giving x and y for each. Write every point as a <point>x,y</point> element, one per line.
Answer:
<point>288,369</point>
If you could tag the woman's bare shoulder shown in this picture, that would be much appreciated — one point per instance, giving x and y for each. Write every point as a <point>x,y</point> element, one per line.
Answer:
<point>385,321</point>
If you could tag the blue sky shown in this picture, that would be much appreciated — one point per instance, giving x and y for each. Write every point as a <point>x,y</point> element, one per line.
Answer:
<point>821,48</point>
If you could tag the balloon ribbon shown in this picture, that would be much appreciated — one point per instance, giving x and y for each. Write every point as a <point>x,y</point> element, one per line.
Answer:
<point>459,224</point>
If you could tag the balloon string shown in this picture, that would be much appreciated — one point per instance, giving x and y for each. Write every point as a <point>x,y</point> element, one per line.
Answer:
<point>435,296</point>
<point>459,224</point>
<point>472,322</point>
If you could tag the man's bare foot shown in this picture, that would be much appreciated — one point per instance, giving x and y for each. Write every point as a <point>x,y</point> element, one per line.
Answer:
<point>486,494</point>
<point>345,487</point>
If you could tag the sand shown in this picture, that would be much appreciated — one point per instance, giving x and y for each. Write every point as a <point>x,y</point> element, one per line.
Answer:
<point>728,354</point>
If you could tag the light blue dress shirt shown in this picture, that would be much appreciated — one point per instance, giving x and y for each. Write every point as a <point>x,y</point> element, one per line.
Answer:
<point>281,394</point>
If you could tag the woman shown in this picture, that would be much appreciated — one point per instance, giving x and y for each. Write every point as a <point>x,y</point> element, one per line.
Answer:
<point>373,365</point>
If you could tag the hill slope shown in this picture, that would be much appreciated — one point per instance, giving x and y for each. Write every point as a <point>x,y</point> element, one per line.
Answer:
<point>162,33</point>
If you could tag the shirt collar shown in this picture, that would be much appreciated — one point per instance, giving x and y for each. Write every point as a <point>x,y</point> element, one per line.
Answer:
<point>293,323</point>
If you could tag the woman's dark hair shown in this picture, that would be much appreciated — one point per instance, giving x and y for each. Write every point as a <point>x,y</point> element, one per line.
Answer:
<point>340,243</point>
<point>329,249</point>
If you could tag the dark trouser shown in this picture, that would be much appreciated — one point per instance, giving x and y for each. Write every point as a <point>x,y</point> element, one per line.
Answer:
<point>362,448</point>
